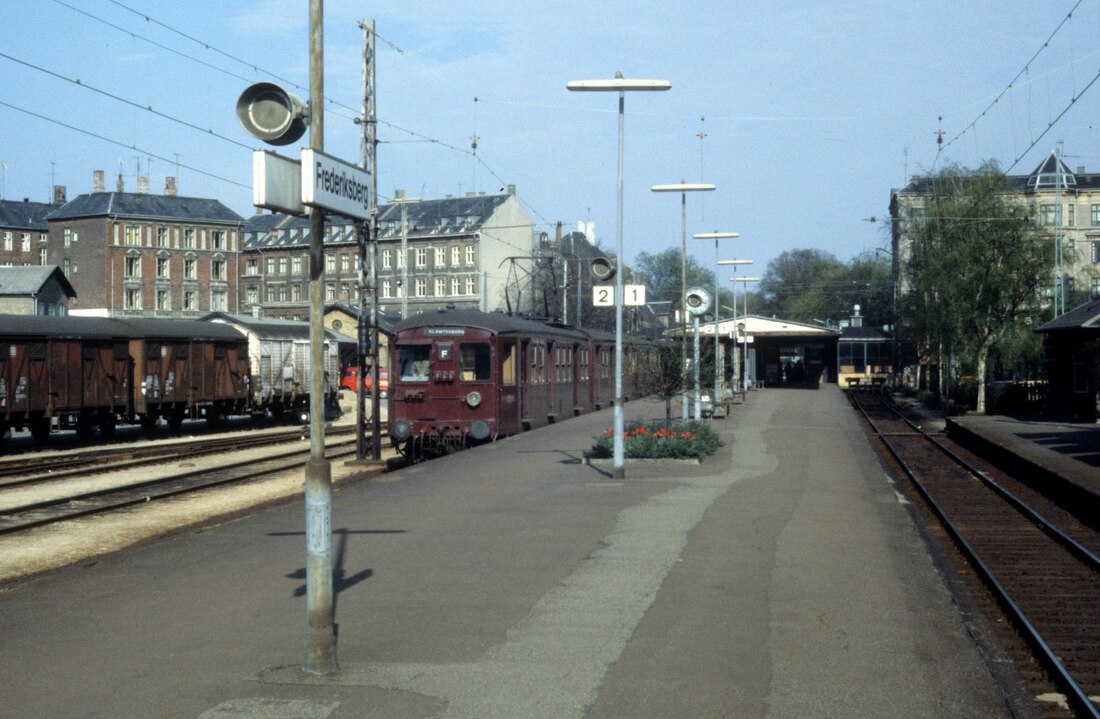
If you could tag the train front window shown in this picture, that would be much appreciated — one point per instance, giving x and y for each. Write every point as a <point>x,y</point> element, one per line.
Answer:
<point>415,362</point>
<point>474,358</point>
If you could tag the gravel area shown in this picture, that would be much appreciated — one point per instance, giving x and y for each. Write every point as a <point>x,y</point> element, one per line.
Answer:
<point>83,540</point>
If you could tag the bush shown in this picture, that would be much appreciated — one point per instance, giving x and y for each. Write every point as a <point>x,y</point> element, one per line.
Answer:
<point>683,440</point>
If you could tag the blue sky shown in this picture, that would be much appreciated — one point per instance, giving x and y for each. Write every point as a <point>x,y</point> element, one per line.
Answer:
<point>809,112</point>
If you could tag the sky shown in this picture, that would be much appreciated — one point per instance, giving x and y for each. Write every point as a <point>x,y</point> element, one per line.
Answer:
<point>803,115</point>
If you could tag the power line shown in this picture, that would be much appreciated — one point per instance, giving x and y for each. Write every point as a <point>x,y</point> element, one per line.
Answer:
<point>122,144</point>
<point>1023,71</point>
<point>131,103</point>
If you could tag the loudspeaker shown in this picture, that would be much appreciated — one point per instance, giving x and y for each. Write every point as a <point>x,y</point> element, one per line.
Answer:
<point>270,113</point>
<point>602,269</point>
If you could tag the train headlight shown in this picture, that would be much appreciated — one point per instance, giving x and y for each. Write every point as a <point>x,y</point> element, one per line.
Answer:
<point>479,429</point>
<point>473,399</point>
<point>401,429</point>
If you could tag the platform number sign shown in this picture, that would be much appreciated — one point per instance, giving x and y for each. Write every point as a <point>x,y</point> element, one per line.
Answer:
<point>604,295</point>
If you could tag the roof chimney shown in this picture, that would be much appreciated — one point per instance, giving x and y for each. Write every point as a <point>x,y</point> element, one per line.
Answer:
<point>399,194</point>
<point>170,186</point>
<point>59,195</point>
<point>142,185</point>
<point>98,182</point>
<point>511,189</point>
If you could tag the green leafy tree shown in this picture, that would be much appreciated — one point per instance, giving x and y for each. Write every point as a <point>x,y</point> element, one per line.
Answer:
<point>976,265</point>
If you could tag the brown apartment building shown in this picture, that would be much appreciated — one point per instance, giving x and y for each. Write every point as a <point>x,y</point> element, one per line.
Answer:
<point>135,253</point>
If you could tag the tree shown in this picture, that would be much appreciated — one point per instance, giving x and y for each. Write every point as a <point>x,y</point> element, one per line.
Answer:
<point>976,265</point>
<point>661,274</point>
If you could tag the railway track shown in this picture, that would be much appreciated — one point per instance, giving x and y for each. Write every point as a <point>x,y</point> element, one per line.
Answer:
<point>1038,559</point>
<point>24,471</point>
<point>39,499</point>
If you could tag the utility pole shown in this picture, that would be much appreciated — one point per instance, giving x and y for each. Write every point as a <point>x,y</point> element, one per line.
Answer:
<point>368,253</point>
<point>320,635</point>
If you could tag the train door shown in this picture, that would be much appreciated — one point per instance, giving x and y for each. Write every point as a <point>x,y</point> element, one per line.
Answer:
<point>508,371</point>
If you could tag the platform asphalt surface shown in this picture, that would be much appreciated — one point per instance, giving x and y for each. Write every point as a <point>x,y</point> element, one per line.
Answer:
<point>781,578</point>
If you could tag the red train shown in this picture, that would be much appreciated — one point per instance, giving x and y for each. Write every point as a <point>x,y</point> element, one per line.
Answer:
<point>462,377</point>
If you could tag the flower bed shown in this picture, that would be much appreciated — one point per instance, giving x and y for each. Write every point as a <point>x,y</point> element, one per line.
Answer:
<point>682,440</point>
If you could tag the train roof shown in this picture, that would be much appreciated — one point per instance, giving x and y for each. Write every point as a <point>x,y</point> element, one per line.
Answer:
<point>75,326</point>
<point>153,328</point>
<point>494,322</point>
<point>62,326</point>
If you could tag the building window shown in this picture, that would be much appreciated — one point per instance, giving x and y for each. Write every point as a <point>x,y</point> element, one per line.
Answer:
<point>471,285</point>
<point>330,292</point>
<point>1050,215</point>
<point>163,268</point>
<point>164,302</point>
<point>270,266</point>
<point>251,267</point>
<point>440,286</point>
<point>190,269</point>
<point>189,304</point>
<point>25,242</point>
<point>217,301</point>
<point>282,293</point>
<point>456,286</point>
<point>1071,214</point>
<point>271,293</point>
<point>296,293</point>
<point>67,236</point>
<point>132,236</point>
<point>387,259</point>
<point>217,269</point>
<point>470,255</point>
<point>440,256</point>
<point>162,238</point>
<point>387,288</point>
<point>43,256</point>
<point>330,263</point>
<point>189,238</point>
<point>422,257</point>
<point>401,259</point>
<point>132,266</point>
<point>456,255</point>
<point>1096,252</point>
<point>421,287</point>
<point>131,298</point>
<point>296,266</point>
<point>282,266</point>
<point>251,295</point>
<point>7,241</point>
<point>217,239</point>
<point>345,263</point>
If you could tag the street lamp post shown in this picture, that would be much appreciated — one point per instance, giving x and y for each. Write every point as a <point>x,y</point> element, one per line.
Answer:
<point>745,343</point>
<point>620,85</point>
<point>683,188</point>
<point>717,306</point>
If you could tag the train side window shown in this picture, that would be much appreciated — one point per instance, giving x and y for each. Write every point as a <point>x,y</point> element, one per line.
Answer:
<point>474,361</point>
<point>508,364</point>
<point>415,362</point>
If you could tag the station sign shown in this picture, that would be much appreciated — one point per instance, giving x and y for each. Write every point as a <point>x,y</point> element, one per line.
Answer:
<point>335,185</point>
<point>277,183</point>
<point>604,295</point>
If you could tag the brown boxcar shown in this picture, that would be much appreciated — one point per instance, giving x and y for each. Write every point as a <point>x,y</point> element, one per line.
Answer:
<point>64,372</point>
<point>187,369</point>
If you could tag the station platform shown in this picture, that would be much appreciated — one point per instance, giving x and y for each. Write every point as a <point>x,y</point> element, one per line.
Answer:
<point>1050,451</point>
<point>782,577</point>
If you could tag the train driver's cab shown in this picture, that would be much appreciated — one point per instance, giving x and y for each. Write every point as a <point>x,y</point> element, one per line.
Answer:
<point>414,362</point>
